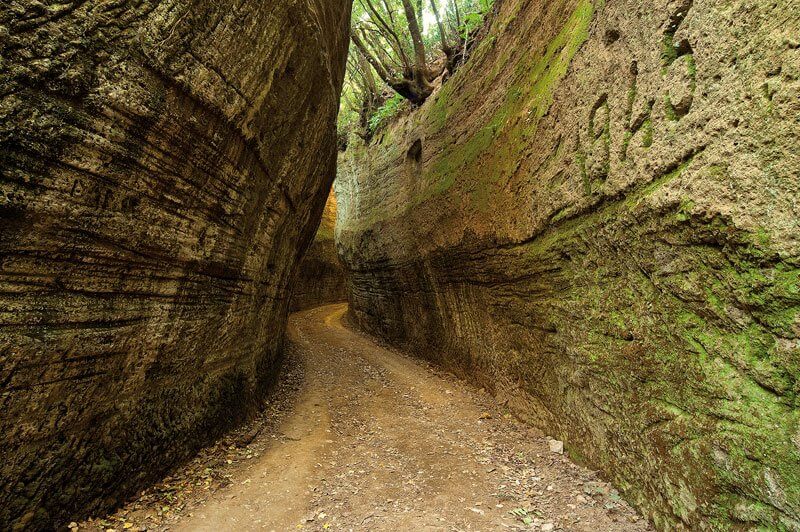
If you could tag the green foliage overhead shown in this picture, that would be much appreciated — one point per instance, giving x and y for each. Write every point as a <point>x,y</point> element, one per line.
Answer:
<point>386,112</point>
<point>398,48</point>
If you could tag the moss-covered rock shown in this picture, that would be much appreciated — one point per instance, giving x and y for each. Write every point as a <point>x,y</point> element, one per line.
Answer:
<point>162,167</point>
<point>603,230</point>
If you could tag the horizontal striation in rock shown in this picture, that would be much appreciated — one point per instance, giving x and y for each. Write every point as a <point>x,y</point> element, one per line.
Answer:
<point>162,167</point>
<point>321,278</point>
<point>601,226</point>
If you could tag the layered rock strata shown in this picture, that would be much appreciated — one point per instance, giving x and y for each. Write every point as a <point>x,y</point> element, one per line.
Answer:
<point>597,219</point>
<point>162,166</point>
<point>321,279</point>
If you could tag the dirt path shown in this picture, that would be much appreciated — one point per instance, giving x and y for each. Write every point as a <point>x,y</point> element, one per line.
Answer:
<point>378,441</point>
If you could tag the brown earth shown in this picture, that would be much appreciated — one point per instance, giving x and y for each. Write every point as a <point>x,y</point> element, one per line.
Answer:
<point>374,440</point>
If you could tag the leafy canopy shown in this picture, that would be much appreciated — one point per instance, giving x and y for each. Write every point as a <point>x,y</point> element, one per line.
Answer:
<point>398,48</point>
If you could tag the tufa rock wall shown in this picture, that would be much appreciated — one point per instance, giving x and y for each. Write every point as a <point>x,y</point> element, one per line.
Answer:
<point>321,278</point>
<point>162,165</point>
<point>597,218</point>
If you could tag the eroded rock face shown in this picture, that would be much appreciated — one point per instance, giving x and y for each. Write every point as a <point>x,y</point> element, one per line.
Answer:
<point>162,163</point>
<point>597,218</point>
<point>321,278</point>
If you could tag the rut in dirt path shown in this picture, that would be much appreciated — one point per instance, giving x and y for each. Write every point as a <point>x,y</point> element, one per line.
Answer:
<point>379,441</point>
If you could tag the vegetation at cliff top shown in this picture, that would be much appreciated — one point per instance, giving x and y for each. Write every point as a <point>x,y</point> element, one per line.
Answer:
<point>398,49</point>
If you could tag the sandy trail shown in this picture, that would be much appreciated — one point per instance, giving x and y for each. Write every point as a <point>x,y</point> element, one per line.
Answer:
<point>379,441</point>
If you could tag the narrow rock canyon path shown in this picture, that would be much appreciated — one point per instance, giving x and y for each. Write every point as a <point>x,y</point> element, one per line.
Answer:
<point>374,440</point>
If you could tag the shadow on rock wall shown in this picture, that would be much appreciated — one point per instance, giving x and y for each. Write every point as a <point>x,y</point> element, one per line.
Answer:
<point>162,165</point>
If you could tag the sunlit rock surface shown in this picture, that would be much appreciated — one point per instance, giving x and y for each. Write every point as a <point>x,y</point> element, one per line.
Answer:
<point>321,278</point>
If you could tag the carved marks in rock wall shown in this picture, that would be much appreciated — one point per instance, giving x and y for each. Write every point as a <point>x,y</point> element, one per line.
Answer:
<point>619,127</point>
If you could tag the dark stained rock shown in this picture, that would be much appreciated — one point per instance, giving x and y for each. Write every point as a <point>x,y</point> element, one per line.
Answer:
<point>597,219</point>
<point>162,166</point>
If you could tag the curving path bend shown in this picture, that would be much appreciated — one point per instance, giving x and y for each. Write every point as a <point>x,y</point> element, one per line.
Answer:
<point>379,441</point>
